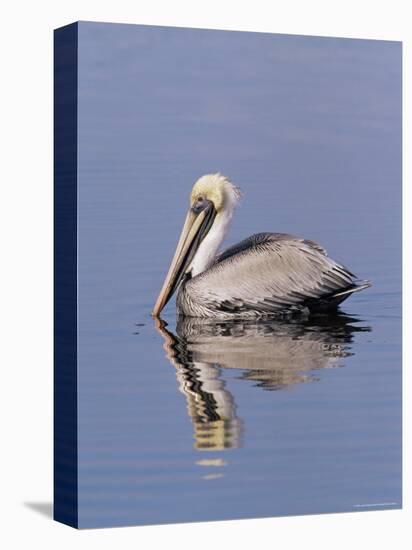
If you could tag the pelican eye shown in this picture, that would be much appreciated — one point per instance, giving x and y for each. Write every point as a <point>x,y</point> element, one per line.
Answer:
<point>199,204</point>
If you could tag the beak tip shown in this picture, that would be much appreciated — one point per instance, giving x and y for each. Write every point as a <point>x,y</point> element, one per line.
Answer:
<point>156,311</point>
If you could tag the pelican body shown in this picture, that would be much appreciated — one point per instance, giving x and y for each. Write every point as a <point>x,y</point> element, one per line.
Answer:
<point>264,276</point>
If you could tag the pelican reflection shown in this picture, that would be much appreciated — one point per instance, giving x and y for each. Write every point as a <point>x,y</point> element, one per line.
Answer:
<point>275,355</point>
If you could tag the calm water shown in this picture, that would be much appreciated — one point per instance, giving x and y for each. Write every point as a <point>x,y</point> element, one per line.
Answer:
<point>189,422</point>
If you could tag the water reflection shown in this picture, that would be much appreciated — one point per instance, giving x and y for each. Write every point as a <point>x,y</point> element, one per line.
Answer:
<point>273,354</point>
<point>211,407</point>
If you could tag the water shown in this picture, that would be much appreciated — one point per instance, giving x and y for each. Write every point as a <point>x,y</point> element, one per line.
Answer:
<point>187,422</point>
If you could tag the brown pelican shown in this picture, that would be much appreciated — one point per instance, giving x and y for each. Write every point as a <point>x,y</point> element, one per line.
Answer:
<point>265,275</point>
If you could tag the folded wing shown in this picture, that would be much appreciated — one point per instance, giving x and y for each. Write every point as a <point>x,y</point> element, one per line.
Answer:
<point>273,272</point>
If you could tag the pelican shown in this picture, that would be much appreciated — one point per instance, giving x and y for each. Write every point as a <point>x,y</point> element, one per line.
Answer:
<point>264,276</point>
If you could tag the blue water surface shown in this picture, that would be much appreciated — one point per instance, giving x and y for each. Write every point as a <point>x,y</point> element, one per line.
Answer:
<point>182,422</point>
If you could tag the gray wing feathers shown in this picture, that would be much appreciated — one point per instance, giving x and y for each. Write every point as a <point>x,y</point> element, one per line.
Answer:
<point>270,272</point>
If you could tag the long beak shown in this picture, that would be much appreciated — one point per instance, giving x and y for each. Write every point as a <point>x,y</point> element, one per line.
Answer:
<point>195,228</point>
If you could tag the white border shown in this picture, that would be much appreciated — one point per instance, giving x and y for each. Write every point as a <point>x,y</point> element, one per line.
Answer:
<point>26,232</point>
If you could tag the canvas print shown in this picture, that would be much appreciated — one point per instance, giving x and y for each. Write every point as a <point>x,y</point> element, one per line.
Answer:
<point>227,275</point>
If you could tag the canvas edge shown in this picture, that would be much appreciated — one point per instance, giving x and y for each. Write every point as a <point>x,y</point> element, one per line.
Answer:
<point>65,68</point>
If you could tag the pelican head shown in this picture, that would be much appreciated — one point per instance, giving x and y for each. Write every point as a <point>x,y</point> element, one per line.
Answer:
<point>212,202</point>
<point>217,189</point>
